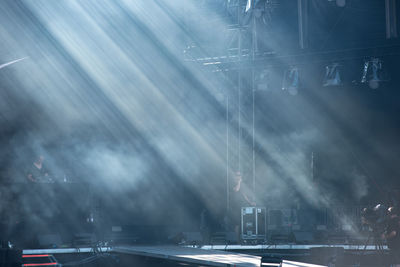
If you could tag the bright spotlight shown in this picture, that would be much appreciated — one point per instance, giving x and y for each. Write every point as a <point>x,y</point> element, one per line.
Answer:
<point>248,5</point>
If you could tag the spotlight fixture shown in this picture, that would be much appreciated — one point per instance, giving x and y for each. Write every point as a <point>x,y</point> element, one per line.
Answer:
<point>248,5</point>
<point>374,73</point>
<point>259,9</point>
<point>291,80</point>
<point>262,80</point>
<point>332,75</point>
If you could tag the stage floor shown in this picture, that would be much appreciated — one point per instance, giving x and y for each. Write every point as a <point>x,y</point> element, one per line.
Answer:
<point>180,254</point>
<point>215,255</point>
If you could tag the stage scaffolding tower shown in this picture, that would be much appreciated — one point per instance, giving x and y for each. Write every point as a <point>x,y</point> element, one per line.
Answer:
<point>243,158</point>
<point>240,98</point>
<point>242,51</point>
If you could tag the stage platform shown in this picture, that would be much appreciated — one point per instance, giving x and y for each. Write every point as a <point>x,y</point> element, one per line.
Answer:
<point>290,247</point>
<point>173,253</point>
<point>192,255</point>
<point>209,255</point>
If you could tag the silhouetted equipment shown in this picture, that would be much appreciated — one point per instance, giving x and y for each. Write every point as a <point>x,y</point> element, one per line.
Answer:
<point>231,238</point>
<point>282,238</point>
<point>282,218</point>
<point>192,238</point>
<point>326,255</point>
<point>218,238</point>
<point>376,219</point>
<point>49,240</point>
<point>10,257</point>
<point>254,223</point>
<point>303,237</point>
<point>84,239</point>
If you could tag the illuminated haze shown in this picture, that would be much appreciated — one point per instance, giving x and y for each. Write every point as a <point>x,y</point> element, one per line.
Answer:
<point>107,97</point>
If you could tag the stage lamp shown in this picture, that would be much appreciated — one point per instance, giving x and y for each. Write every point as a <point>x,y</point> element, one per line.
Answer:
<point>262,80</point>
<point>260,10</point>
<point>374,73</point>
<point>248,5</point>
<point>332,75</point>
<point>291,80</point>
<point>252,4</point>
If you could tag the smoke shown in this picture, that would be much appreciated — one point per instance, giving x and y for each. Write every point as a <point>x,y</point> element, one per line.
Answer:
<point>111,97</point>
<point>359,185</point>
<point>290,157</point>
<point>107,99</point>
<point>114,167</point>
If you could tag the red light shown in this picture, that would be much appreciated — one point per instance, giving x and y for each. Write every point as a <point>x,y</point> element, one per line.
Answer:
<point>40,264</point>
<point>35,255</point>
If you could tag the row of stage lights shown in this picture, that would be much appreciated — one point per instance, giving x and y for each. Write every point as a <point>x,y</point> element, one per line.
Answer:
<point>373,74</point>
